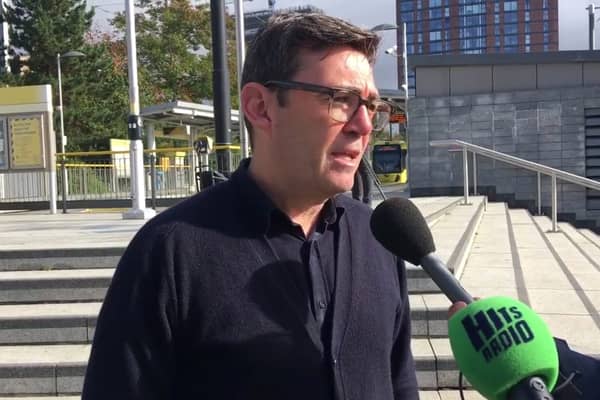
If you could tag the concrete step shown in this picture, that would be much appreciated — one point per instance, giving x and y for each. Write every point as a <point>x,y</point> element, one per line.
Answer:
<point>423,394</point>
<point>453,233</point>
<point>429,315</point>
<point>59,369</point>
<point>58,398</point>
<point>54,286</point>
<point>65,323</point>
<point>70,323</point>
<point>52,259</point>
<point>571,276</point>
<point>42,370</point>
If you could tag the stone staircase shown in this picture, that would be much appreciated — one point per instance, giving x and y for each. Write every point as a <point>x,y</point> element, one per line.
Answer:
<point>49,299</point>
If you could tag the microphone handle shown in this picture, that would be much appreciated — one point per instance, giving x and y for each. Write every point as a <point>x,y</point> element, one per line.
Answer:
<point>532,388</point>
<point>442,277</point>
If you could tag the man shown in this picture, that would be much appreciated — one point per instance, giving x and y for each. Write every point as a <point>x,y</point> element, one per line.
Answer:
<point>361,188</point>
<point>269,285</point>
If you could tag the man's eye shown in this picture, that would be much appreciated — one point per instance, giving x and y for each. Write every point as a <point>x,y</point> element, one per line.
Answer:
<point>343,98</point>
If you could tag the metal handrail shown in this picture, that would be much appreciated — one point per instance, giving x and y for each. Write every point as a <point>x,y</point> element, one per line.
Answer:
<point>518,162</point>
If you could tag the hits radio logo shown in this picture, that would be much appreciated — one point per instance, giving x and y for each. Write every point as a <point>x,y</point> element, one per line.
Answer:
<point>496,330</point>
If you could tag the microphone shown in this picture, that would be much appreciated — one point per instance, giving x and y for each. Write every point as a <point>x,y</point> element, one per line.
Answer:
<point>504,349</point>
<point>500,345</point>
<point>400,227</point>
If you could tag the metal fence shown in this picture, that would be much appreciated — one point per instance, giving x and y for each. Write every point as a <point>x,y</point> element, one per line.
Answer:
<point>106,175</point>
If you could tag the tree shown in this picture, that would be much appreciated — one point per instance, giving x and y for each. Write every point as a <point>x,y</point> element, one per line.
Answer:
<point>44,28</point>
<point>174,51</point>
<point>97,95</point>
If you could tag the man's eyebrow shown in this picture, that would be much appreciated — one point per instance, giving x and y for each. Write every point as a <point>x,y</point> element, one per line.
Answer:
<point>356,89</point>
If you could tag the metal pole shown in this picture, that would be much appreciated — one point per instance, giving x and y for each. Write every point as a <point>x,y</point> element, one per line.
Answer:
<point>474,174</point>
<point>134,125</point>
<point>4,42</point>
<point>539,193</point>
<point>465,176</point>
<point>554,205</point>
<point>240,41</point>
<point>405,86</point>
<point>151,143</point>
<point>221,100</point>
<point>63,168</point>
<point>591,26</point>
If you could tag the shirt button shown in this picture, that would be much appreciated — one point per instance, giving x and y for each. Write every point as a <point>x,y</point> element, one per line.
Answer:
<point>322,304</point>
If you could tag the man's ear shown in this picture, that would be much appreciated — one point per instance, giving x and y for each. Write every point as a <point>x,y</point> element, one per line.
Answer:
<point>256,100</point>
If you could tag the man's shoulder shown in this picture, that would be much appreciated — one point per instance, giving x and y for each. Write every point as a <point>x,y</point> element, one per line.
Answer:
<point>210,208</point>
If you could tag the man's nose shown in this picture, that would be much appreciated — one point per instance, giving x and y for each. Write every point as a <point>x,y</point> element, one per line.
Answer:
<point>360,122</point>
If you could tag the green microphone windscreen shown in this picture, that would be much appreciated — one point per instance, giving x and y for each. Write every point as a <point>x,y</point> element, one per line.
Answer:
<point>499,341</point>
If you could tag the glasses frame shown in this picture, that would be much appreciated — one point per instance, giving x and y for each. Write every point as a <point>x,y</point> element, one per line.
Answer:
<point>331,91</point>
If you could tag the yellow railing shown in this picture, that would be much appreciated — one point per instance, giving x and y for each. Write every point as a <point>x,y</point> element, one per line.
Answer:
<point>107,174</point>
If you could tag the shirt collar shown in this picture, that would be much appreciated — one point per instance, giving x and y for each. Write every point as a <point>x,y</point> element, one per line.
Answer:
<point>259,208</point>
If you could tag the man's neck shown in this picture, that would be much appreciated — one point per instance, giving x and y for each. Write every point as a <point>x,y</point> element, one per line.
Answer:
<point>299,207</point>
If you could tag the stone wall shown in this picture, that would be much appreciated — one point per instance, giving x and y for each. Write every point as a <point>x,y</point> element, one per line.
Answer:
<point>546,126</point>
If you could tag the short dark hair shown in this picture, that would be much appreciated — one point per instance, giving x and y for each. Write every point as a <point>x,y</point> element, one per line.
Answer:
<point>273,54</point>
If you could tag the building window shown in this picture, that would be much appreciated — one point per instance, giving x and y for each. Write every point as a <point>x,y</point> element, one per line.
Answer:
<point>406,5</point>
<point>546,38</point>
<point>435,24</point>
<point>511,40</point>
<point>510,6</point>
<point>435,47</point>
<point>511,29</point>
<point>528,39</point>
<point>419,26</point>
<point>527,28</point>
<point>546,28</point>
<point>527,48</point>
<point>497,30</point>
<point>545,47</point>
<point>545,4</point>
<point>546,15</point>
<point>419,4</point>
<point>407,16</point>
<point>527,16</point>
<point>410,48</point>
<point>496,18</point>
<point>435,3</point>
<point>510,17</point>
<point>511,49</point>
<point>435,35</point>
<point>435,13</point>
<point>497,42</point>
<point>497,7</point>
<point>447,12</point>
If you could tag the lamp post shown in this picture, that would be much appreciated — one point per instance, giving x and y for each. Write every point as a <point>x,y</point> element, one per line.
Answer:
<point>394,51</point>
<point>63,138</point>
<point>592,25</point>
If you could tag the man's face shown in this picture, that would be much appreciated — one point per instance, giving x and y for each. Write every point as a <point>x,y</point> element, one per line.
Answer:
<point>315,152</point>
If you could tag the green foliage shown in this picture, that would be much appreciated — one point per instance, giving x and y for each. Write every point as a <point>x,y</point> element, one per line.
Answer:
<point>45,28</point>
<point>174,51</point>
<point>174,62</point>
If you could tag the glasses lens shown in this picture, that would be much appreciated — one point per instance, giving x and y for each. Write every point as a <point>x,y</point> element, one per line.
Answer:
<point>381,115</point>
<point>343,106</point>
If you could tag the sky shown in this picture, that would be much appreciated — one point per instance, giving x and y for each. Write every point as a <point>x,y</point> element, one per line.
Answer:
<point>572,24</point>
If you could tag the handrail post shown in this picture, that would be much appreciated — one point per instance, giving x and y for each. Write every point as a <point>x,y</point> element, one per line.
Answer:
<point>465,176</point>
<point>539,193</point>
<point>63,175</point>
<point>474,174</point>
<point>554,205</point>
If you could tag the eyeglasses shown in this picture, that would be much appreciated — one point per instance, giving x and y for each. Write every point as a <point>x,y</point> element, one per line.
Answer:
<point>343,102</point>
